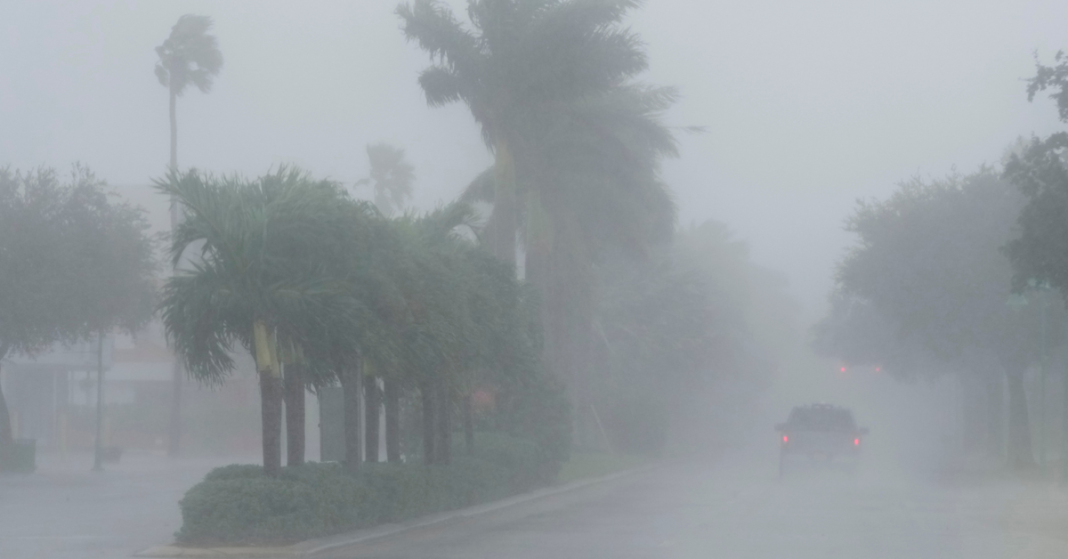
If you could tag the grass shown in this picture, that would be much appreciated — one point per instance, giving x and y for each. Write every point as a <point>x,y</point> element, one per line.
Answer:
<point>584,465</point>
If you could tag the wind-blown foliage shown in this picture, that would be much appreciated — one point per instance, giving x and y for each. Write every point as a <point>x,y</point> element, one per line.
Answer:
<point>577,144</point>
<point>189,56</point>
<point>270,273</point>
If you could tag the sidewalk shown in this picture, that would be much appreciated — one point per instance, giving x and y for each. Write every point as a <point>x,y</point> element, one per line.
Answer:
<point>66,511</point>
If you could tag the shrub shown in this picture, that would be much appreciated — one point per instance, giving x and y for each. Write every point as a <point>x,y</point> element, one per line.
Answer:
<point>237,504</point>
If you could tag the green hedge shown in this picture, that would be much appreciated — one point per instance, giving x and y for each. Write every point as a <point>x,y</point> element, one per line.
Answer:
<point>237,505</point>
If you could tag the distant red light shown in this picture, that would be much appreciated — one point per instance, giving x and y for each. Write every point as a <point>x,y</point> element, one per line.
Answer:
<point>856,442</point>
<point>878,369</point>
<point>842,369</point>
<point>785,439</point>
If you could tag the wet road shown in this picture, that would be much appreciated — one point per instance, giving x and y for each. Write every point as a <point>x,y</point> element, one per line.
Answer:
<point>739,510</point>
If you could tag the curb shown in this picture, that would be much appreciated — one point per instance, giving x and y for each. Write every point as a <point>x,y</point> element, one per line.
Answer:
<point>319,545</point>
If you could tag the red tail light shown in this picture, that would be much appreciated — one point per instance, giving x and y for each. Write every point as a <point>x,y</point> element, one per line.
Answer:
<point>785,439</point>
<point>856,442</point>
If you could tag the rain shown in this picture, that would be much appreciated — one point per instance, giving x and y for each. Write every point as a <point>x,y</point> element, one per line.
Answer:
<point>533,278</point>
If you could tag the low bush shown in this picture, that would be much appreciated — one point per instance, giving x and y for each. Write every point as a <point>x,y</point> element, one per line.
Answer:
<point>238,505</point>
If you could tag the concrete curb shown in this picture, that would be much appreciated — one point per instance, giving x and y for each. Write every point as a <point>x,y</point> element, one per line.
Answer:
<point>319,545</point>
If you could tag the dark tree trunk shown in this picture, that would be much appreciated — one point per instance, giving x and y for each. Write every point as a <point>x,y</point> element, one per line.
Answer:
<point>350,387</point>
<point>98,446</point>
<point>174,425</point>
<point>7,438</point>
<point>174,129</point>
<point>503,224</point>
<point>374,409</point>
<point>469,425</point>
<point>1021,456</point>
<point>443,446</point>
<point>995,402</point>
<point>391,401</point>
<point>295,414</point>
<point>426,391</point>
<point>271,418</point>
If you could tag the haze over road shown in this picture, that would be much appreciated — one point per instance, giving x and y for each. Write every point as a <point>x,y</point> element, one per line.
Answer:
<point>739,509</point>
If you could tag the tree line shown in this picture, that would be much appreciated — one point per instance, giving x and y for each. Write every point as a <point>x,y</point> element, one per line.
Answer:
<point>558,282</point>
<point>960,275</point>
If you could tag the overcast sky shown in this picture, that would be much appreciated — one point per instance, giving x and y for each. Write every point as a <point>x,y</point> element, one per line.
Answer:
<point>807,105</point>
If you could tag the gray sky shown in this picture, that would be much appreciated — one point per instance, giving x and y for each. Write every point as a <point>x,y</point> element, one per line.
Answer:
<point>808,105</point>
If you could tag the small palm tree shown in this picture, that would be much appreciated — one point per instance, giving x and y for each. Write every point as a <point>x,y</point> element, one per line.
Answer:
<point>189,56</point>
<point>264,277</point>
<point>391,177</point>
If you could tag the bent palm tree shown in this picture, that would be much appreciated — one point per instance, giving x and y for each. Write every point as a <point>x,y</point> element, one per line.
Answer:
<point>189,56</point>
<point>523,60</point>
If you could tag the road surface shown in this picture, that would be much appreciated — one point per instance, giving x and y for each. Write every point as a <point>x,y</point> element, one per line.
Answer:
<point>738,509</point>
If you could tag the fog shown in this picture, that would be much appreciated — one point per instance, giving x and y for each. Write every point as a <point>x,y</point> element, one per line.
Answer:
<point>806,107</point>
<point>789,113</point>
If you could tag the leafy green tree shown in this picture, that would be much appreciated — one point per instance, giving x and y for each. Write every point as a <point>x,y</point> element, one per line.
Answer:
<point>391,178</point>
<point>929,259</point>
<point>74,265</point>
<point>263,278</point>
<point>1040,170</point>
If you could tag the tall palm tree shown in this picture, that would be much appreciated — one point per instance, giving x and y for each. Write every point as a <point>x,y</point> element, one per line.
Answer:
<point>264,277</point>
<point>520,60</point>
<point>189,56</point>
<point>577,143</point>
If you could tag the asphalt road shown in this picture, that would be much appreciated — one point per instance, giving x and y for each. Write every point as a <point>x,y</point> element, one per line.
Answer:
<point>738,509</point>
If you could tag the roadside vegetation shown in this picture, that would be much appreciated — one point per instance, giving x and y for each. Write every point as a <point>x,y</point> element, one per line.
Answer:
<point>967,276</point>
<point>554,306</point>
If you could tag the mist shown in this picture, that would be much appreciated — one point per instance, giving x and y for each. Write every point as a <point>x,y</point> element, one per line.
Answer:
<point>831,206</point>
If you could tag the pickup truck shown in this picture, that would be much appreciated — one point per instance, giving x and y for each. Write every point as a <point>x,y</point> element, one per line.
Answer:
<point>820,432</point>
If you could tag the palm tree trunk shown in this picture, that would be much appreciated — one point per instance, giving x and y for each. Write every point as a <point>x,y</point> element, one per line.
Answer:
<point>392,405</point>
<point>443,446</point>
<point>7,438</point>
<point>426,391</point>
<point>1021,456</point>
<point>351,389</point>
<point>373,403</point>
<point>469,425</point>
<point>174,129</point>
<point>271,419</point>
<point>295,414</point>
<point>98,446</point>
<point>504,219</point>
<point>174,427</point>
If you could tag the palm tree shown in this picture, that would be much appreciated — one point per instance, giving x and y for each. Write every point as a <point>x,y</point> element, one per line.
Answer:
<point>391,177</point>
<point>189,56</point>
<point>522,60</point>
<point>576,143</point>
<point>265,278</point>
